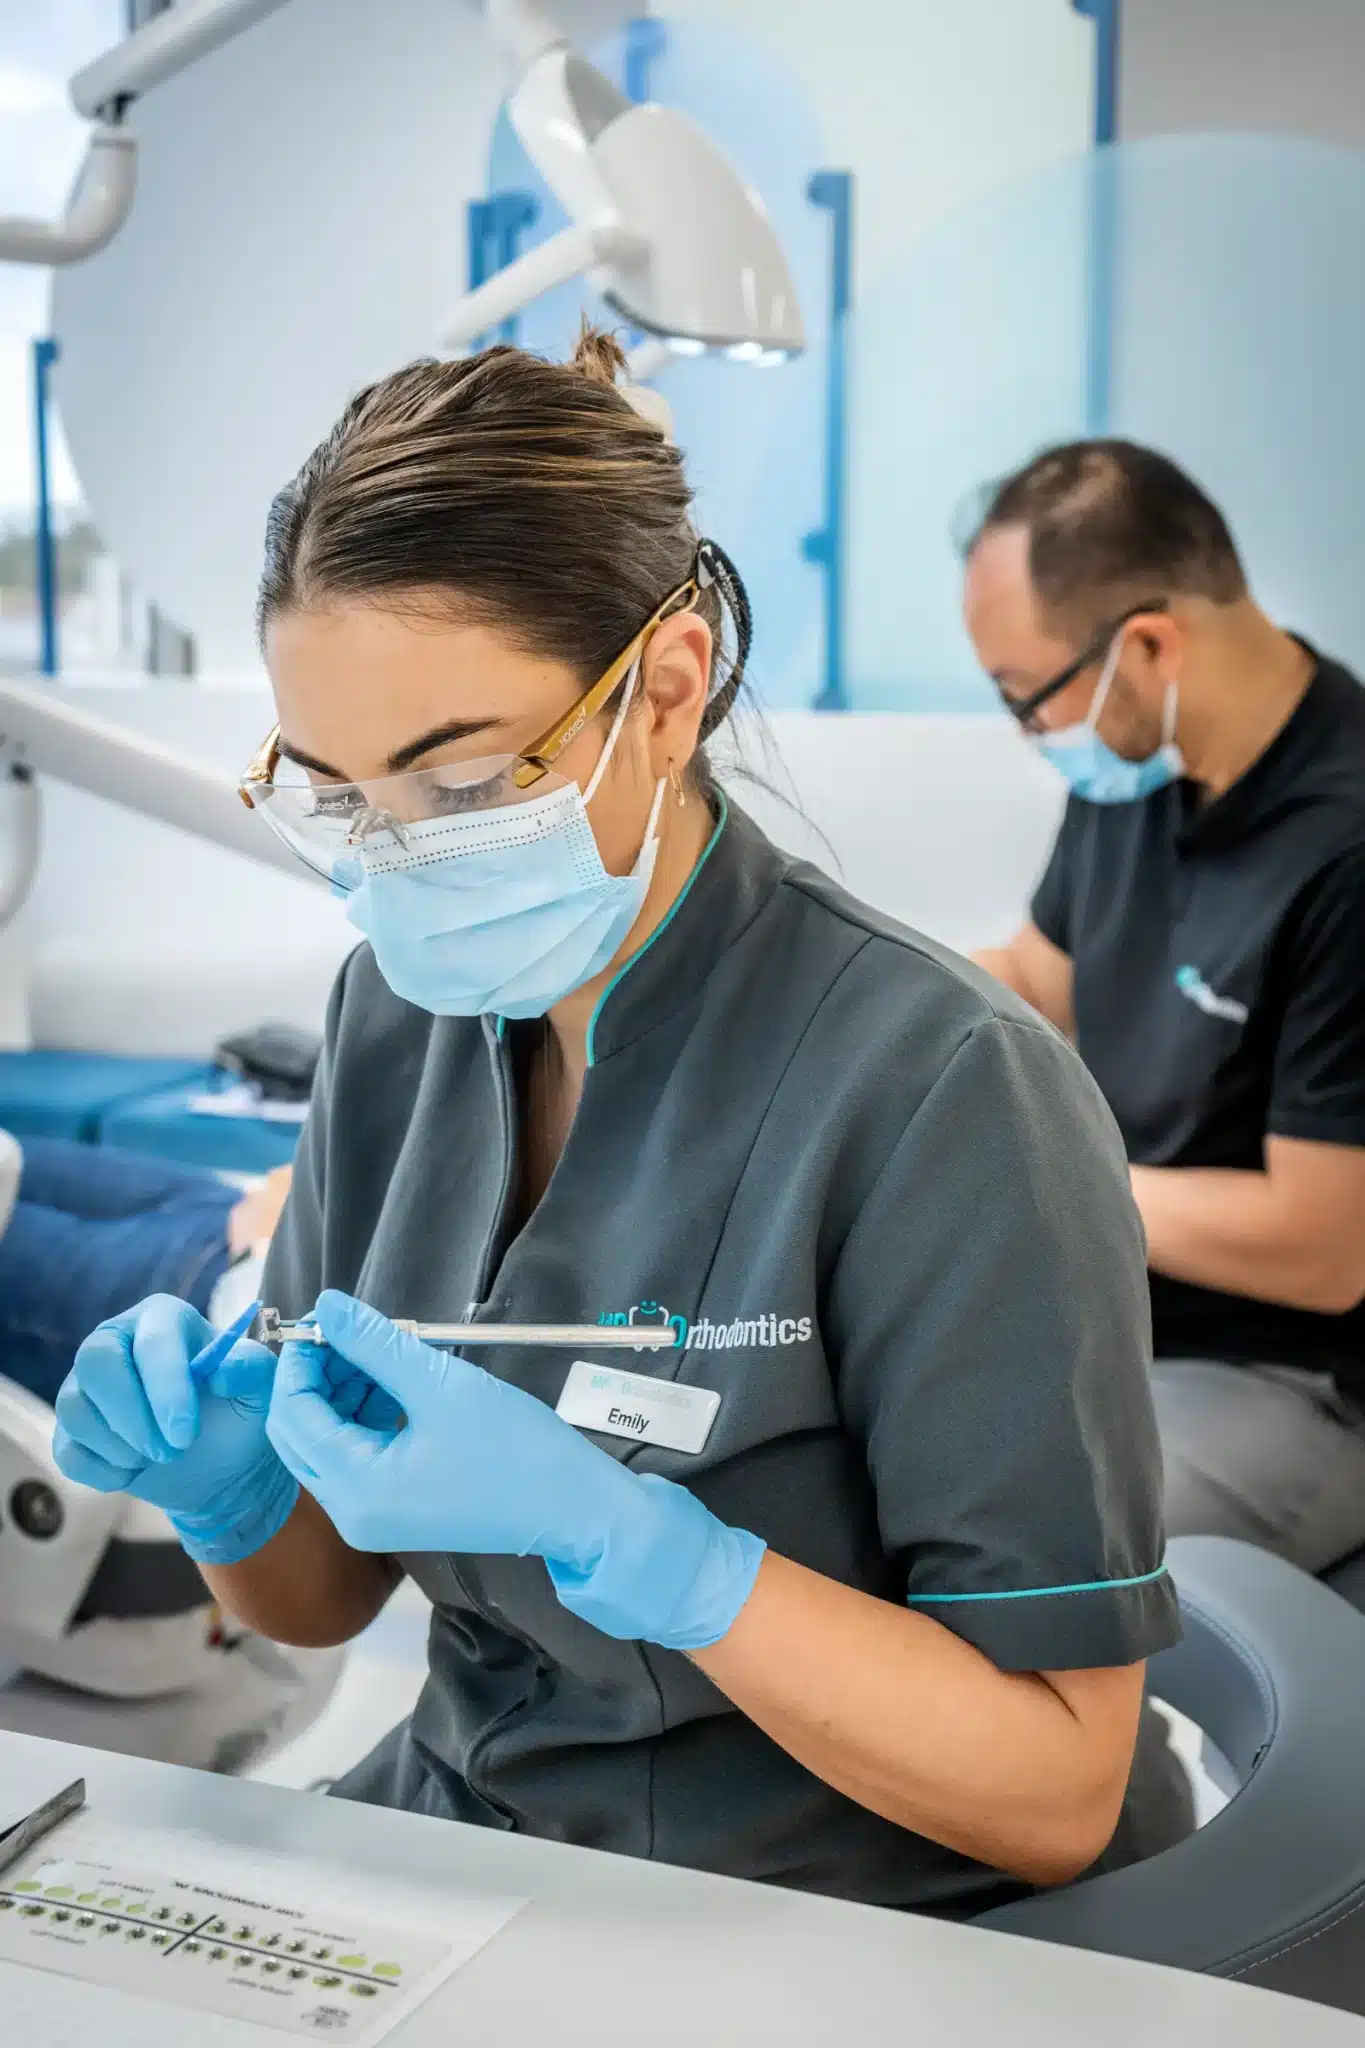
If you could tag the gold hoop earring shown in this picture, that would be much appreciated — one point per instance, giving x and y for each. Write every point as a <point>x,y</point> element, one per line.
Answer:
<point>676,781</point>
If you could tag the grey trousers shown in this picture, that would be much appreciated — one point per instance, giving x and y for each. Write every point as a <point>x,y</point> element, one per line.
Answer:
<point>1267,1453</point>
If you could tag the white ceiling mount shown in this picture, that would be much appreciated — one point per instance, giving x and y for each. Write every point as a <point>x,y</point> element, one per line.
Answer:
<point>99,206</point>
<point>162,47</point>
<point>103,197</point>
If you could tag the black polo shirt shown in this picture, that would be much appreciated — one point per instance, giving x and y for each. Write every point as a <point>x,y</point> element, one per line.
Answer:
<point>1219,955</point>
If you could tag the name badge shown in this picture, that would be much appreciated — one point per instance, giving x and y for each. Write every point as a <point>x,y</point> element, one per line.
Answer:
<point>631,1404</point>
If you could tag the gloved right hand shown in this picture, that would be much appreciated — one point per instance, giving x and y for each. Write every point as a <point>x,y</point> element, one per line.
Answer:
<point>130,1419</point>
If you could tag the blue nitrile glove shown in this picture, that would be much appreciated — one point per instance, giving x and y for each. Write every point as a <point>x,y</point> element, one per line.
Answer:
<point>130,1419</point>
<point>484,1468</point>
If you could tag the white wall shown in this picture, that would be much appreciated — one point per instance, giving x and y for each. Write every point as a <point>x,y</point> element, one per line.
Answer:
<point>929,102</point>
<point>1249,66</point>
<point>147,941</point>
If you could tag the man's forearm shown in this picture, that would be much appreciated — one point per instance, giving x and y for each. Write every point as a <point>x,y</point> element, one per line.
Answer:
<point>1239,1233</point>
<point>306,1586</point>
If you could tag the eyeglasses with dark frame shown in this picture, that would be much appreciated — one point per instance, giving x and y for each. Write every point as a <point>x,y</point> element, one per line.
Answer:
<point>1025,709</point>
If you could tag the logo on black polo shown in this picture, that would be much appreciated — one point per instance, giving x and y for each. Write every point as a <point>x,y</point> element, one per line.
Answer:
<point>1196,990</point>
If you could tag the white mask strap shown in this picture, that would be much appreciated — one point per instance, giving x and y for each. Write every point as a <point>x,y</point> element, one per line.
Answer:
<point>1169,713</point>
<point>600,770</point>
<point>1107,674</point>
<point>652,828</point>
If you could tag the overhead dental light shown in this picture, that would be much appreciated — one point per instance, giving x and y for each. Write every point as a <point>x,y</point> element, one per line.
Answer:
<point>661,223</point>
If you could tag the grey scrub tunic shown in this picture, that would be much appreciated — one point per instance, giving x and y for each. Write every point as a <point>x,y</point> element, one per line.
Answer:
<point>887,1213</point>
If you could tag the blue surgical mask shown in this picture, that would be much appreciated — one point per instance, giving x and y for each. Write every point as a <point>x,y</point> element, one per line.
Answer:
<point>501,912</point>
<point>1093,770</point>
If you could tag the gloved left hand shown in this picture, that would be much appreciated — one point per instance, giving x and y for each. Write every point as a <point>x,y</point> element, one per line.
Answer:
<point>485,1468</point>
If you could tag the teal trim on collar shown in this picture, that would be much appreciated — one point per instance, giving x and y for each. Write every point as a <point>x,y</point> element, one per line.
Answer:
<point>1041,1592</point>
<point>657,933</point>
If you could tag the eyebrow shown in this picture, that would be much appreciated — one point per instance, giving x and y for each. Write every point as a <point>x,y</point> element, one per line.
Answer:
<point>405,756</point>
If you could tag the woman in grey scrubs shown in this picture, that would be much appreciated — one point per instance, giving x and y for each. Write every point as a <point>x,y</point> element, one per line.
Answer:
<point>851,1586</point>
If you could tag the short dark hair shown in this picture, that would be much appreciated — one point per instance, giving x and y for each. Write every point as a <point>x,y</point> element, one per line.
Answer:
<point>1111,524</point>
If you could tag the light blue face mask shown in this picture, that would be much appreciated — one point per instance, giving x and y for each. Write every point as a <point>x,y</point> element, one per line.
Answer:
<point>1093,770</point>
<point>501,912</point>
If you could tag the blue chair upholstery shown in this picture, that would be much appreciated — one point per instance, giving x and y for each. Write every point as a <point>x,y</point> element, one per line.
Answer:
<point>1272,1890</point>
<point>163,1122</point>
<point>72,1094</point>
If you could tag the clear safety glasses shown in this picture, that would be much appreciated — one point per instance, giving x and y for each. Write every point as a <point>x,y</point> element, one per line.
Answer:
<point>343,829</point>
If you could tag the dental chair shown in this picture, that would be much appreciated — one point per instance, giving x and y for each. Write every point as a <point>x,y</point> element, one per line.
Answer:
<point>1348,1579</point>
<point>109,1636</point>
<point>1272,1890</point>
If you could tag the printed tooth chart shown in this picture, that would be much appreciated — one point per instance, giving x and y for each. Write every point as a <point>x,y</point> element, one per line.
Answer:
<point>270,1950</point>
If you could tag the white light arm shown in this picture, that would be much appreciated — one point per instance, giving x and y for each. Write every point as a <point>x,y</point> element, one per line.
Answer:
<point>568,254</point>
<point>55,739</point>
<point>99,206</point>
<point>167,44</point>
<point>524,29</point>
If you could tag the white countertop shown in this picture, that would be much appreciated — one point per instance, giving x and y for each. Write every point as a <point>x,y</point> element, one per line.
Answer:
<point>613,1951</point>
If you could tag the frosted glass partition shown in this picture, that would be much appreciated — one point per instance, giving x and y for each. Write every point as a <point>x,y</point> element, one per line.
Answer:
<point>1239,300</point>
<point>1207,288</point>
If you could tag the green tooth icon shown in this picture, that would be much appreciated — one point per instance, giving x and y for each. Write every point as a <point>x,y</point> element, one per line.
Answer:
<point>388,1969</point>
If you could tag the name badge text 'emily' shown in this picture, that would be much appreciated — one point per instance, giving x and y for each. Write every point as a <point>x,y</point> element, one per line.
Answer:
<point>631,1404</point>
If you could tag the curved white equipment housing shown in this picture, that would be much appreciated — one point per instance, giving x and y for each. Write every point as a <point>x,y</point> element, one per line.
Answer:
<point>299,231</point>
<point>44,1574</point>
<point>714,271</point>
<point>98,208</point>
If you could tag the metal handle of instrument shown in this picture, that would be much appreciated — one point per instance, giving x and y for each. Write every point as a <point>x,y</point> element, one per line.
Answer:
<point>568,1336</point>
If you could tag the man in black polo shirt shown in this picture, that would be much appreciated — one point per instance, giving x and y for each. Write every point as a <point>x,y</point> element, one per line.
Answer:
<point>1200,932</point>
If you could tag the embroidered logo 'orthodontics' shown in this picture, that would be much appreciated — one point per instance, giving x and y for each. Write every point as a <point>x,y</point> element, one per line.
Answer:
<point>763,1332</point>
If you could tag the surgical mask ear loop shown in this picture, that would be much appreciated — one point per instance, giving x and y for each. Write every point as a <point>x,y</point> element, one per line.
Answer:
<point>1102,687</point>
<point>1169,713</point>
<point>600,770</point>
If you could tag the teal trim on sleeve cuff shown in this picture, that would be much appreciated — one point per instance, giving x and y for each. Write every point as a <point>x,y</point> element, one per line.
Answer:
<point>1040,1592</point>
<point>658,931</point>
